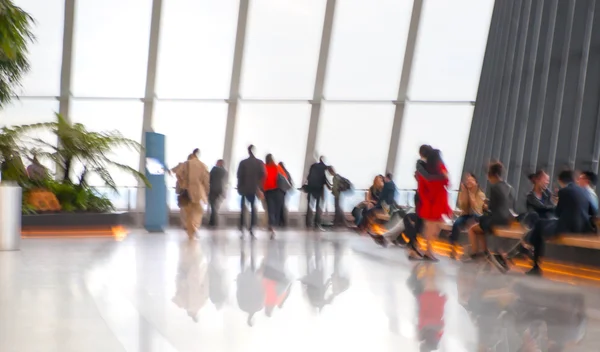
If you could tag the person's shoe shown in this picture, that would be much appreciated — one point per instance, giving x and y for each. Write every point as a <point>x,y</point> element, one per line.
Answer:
<point>498,261</point>
<point>535,271</point>
<point>379,240</point>
<point>473,257</point>
<point>430,258</point>
<point>454,253</point>
<point>252,234</point>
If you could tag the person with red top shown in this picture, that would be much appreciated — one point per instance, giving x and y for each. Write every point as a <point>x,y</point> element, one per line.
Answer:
<point>274,195</point>
<point>432,181</point>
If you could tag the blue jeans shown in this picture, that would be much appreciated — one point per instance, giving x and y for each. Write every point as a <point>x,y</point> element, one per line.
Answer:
<point>459,225</point>
<point>250,199</point>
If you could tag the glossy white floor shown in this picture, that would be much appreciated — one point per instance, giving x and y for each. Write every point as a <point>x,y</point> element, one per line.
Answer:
<point>154,292</point>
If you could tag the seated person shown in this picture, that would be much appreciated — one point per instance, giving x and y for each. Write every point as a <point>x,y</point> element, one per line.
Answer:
<point>588,180</point>
<point>470,202</point>
<point>573,210</point>
<point>500,203</point>
<point>539,199</point>
<point>371,200</point>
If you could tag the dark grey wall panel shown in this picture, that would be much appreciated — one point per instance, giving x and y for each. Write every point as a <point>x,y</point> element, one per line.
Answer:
<point>539,92</point>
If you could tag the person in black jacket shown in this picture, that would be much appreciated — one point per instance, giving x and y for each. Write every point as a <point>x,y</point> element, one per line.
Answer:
<point>574,211</point>
<point>539,199</point>
<point>218,175</point>
<point>316,182</point>
<point>250,175</point>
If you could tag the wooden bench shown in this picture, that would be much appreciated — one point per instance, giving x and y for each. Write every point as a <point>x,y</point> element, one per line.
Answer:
<point>591,241</point>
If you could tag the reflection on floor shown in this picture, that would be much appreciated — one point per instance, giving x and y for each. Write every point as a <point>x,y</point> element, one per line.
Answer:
<point>303,291</point>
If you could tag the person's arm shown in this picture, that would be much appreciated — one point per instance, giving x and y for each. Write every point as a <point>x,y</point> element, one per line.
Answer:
<point>426,175</point>
<point>463,200</point>
<point>535,204</point>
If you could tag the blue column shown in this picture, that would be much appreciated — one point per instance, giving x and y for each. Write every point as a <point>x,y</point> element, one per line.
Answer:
<point>156,215</point>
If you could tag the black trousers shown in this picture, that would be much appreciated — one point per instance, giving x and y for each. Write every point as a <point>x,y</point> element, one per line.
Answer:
<point>459,225</point>
<point>318,197</point>
<point>275,200</point>
<point>543,230</point>
<point>215,203</point>
<point>413,224</point>
<point>250,199</point>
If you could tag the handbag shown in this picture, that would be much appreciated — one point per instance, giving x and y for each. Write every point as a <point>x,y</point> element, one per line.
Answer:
<point>183,198</point>
<point>283,183</point>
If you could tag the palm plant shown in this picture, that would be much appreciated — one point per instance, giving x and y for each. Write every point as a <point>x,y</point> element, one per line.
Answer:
<point>15,35</point>
<point>10,155</point>
<point>91,149</point>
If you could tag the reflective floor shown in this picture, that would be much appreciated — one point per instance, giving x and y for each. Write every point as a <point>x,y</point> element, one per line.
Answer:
<point>301,292</point>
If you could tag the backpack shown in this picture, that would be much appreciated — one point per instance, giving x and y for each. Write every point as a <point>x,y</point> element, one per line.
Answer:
<point>344,184</point>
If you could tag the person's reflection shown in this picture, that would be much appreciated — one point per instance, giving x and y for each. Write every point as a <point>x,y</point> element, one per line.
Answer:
<point>315,284</point>
<point>276,281</point>
<point>217,287</point>
<point>340,282</point>
<point>250,292</point>
<point>431,304</point>
<point>519,316</point>
<point>192,284</point>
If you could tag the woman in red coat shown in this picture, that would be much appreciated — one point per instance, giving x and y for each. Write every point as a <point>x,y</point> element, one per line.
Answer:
<point>432,182</point>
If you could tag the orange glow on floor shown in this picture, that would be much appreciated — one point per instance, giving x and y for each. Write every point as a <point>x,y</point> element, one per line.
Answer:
<point>119,233</point>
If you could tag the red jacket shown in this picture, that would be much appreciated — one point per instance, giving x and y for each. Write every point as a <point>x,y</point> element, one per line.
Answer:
<point>271,177</point>
<point>433,197</point>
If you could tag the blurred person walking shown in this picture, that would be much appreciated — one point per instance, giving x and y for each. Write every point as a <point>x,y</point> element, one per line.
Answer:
<point>274,186</point>
<point>218,175</point>
<point>194,185</point>
<point>250,176</point>
<point>316,181</point>
<point>179,177</point>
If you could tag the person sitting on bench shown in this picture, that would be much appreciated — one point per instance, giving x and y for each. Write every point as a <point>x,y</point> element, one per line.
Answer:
<point>470,202</point>
<point>574,210</point>
<point>587,180</point>
<point>539,201</point>
<point>501,200</point>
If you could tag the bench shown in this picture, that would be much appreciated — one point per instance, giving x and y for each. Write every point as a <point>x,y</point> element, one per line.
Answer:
<point>590,241</point>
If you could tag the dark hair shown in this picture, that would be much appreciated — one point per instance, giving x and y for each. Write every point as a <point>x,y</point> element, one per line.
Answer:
<point>389,176</point>
<point>196,151</point>
<point>269,159</point>
<point>434,160</point>
<point>591,176</point>
<point>470,174</point>
<point>250,147</point>
<point>424,150</point>
<point>496,169</point>
<point>566,176</point>
<point>534,176</point>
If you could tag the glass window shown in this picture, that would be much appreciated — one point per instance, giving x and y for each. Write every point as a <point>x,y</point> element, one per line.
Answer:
<point>30,111</point>
<point>111,48</point>
<point>196,48</point>
<point>445,127</point>
<point>113,115</point>
<point>355,139</point>
<point>367,49</point>
<point>45,53</point>
<point>282,48</point>
<point>190,125</point>
<point>277,128</point>
<point>450,49</point>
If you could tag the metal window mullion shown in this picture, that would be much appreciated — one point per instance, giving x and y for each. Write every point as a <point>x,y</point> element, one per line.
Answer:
<point>523,123</point>
<point>587,40</point>
<point>516,89</point>
<point>507,79</point>
<point>492,112</point>
<point>409,55</point>
<point>539,115</point>
<point>67,60</point>
<point>490,96</point>
<point>316,102</point>
<point>234,87</point>
<point>562,79</point>
<point>149,95</point>
<point>485,84</point>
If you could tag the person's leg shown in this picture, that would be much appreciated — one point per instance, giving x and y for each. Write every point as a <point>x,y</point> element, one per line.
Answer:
<point>431,230</point>
<point>543,230</point>
<point>193,216</point>
<point>271,208</point>
<point>474,233</point>
<point>318,209</point>
<point>213,216</point>
<point>252,200</point>
<point>458,225</point>
<point>339,214</point>
<point>242,211</point>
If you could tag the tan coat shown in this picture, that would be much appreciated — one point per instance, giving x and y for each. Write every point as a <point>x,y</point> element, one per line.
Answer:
<point>193,175</point>
<point>471,202</point>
